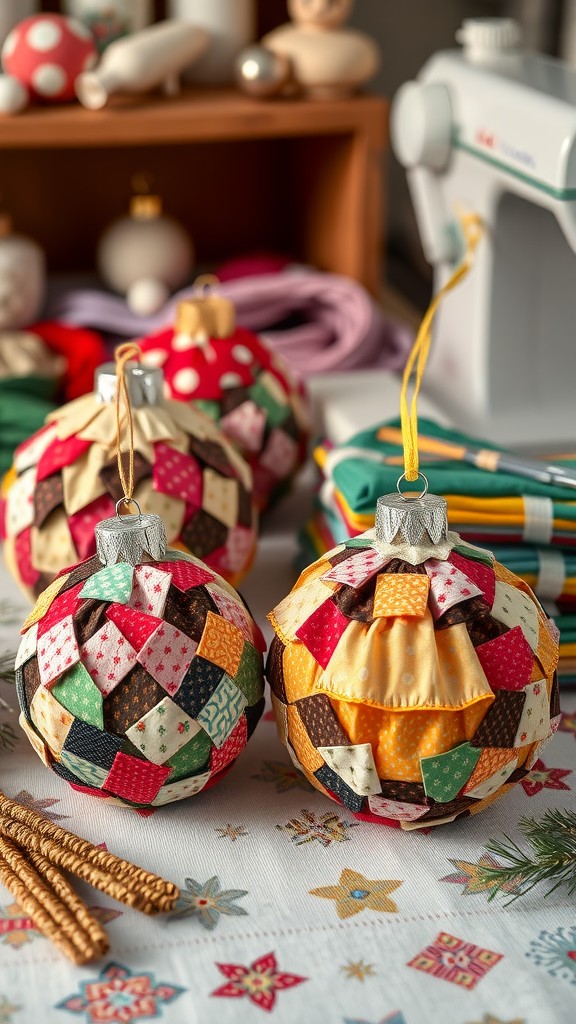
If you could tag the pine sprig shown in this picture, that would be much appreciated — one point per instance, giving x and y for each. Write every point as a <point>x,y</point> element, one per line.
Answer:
<point>552,859</point>
<point>7,670</point>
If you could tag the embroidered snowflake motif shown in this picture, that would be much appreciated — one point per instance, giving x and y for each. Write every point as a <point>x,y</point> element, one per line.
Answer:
<point>284,776</point>
<point>556,952</point>
<point>260,982</point>
<point>358,969</point>
<point>540,777</point>
<point>231,832</point>
<point>120,996</point>
<point>326,829</point>
<point>208,901</point>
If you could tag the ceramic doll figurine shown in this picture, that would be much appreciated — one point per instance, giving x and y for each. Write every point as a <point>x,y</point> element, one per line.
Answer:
<point>327,60</point>
<point>145,255</point>
<point>22,278</point>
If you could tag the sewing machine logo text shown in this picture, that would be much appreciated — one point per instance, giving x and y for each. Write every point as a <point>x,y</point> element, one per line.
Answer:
<point>498,147</point>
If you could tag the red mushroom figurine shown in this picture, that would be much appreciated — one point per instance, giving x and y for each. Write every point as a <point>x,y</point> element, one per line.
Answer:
<point>47,52</point>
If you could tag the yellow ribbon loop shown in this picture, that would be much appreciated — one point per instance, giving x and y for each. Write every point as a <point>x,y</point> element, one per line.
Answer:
<point>472,229</point>
<point>124,353</point>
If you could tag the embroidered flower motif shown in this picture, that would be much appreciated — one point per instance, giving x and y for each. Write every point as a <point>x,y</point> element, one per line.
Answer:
<point>208,901</point>
<point>470,876</point>
<point>17,929</point>
<point>232,832</point>
<point>540,777</point>
<point>259,982</point>
<point>6,1010</point>
<point>455,960</point>
<point>356,893</point>
<point>329,828</point>
<point>358,969</point>
<point>119,996</point>
<point>284,776</point>
<point>556,952</point>
<point>489,1018</point>
<point>39,805</point>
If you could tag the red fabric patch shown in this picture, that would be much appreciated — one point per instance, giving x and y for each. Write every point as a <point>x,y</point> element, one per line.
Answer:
<point>186,574</point>
<point>23,558</point>
<point>89,790</point>
<point>375,819</point>
<point>135,780</point>
<point>234,745</point>
<point>84,351</point>
<point>321,632</point>
<point>60,454</point>
<point>480,574</point>
<point>135,626</point>
<point>507,660</point>
<point>82,524</point>
<point>177,474</point>
<point>63,605</point>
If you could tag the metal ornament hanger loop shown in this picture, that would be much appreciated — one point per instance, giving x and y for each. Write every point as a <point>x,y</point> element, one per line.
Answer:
<point>414,497</point>
<point>126,502</point>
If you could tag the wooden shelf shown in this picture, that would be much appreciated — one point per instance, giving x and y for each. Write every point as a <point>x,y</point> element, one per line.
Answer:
<point>194,116</point>
<point>302,177</point>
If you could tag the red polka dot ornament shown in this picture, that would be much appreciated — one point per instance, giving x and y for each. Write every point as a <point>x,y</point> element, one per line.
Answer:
<point>139,674</point>
<point>46,53</point>
<point>64,481</point>
<point>229,373</point>
<point>413,677</point>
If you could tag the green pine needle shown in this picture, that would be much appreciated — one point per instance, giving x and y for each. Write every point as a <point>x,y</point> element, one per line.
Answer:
<point>7,670</point>
<point>553,855</point>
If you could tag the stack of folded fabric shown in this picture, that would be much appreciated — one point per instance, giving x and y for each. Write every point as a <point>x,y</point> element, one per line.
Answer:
<point>529,526</point>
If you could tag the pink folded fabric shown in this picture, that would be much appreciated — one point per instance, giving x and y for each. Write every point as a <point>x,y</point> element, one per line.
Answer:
<point>318,322</point>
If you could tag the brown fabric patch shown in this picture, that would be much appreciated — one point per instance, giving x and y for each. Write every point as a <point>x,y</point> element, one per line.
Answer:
<point>212,454</point>
<point>342,556</point>
<point>517,775</point>
<point>499,727</point>
<point>82,572</point>
<point>399,565</point>
<point>464,611</point>
<point>356,602</point>
<point>245,508</point>
<point>137,694</point>
<point>291,427</point>
<point>485,627</point>
<point>320,721</point>
<point>555,698</point>
<point>407,792</point>
<point>44,580</point>
<point>456,806</point>
<point>204,534</point>
<point>275,671</point>
<point>111,480</point>
<point>188,611</point>
<point>48,495</point>
<point>31,679</point>
<point>91,615</point>
<point>232,398</point>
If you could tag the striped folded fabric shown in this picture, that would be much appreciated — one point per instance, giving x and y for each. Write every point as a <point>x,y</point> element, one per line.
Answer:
<point>529,526</point>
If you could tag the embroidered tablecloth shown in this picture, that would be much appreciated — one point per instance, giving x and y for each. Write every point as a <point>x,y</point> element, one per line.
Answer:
<point>290,907</point>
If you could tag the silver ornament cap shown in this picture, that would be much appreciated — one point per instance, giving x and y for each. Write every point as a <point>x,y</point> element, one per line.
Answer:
<point>132,538</point>
<point>145,383</point>
<point>412,519</point>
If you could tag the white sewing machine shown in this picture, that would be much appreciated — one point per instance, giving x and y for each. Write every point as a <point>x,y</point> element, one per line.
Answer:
<point>492,129</point>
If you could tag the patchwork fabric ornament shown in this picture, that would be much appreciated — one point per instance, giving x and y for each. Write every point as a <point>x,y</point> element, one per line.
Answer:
<point>413,677</point>
<point>64,481</point>
<point>136,682</point>
<point>230,374</point>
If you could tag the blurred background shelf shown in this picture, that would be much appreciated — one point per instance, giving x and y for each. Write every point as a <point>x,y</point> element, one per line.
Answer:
<point>294,176</point>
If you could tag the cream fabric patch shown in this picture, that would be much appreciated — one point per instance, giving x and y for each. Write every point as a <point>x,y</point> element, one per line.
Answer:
<point>52,546</point>
<point>535,721</point>
<point>19,512</point>
<point>355,766</point>
<point>33,452</point>
<point>171,510</point>
<point>515,608</point>
<point>51,719</point>
<point>220,497</point>
<point>493,782</point>
<point>181,789</point>
<point>28,644</point>
<point>396,809</point>
<point>297,607</point>
<point>81,481</point>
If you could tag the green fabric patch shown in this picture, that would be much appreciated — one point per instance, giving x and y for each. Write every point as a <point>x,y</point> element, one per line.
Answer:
<point>445,774</point>
<point>276,414</point>
<point>209,408</point>
<point>113,583</point>
<point>77,692</point>
<point>191,757</point>
<point>91,774</point>
<point>249,677</point>
<point>473,554</point>
<point>359,542</point>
